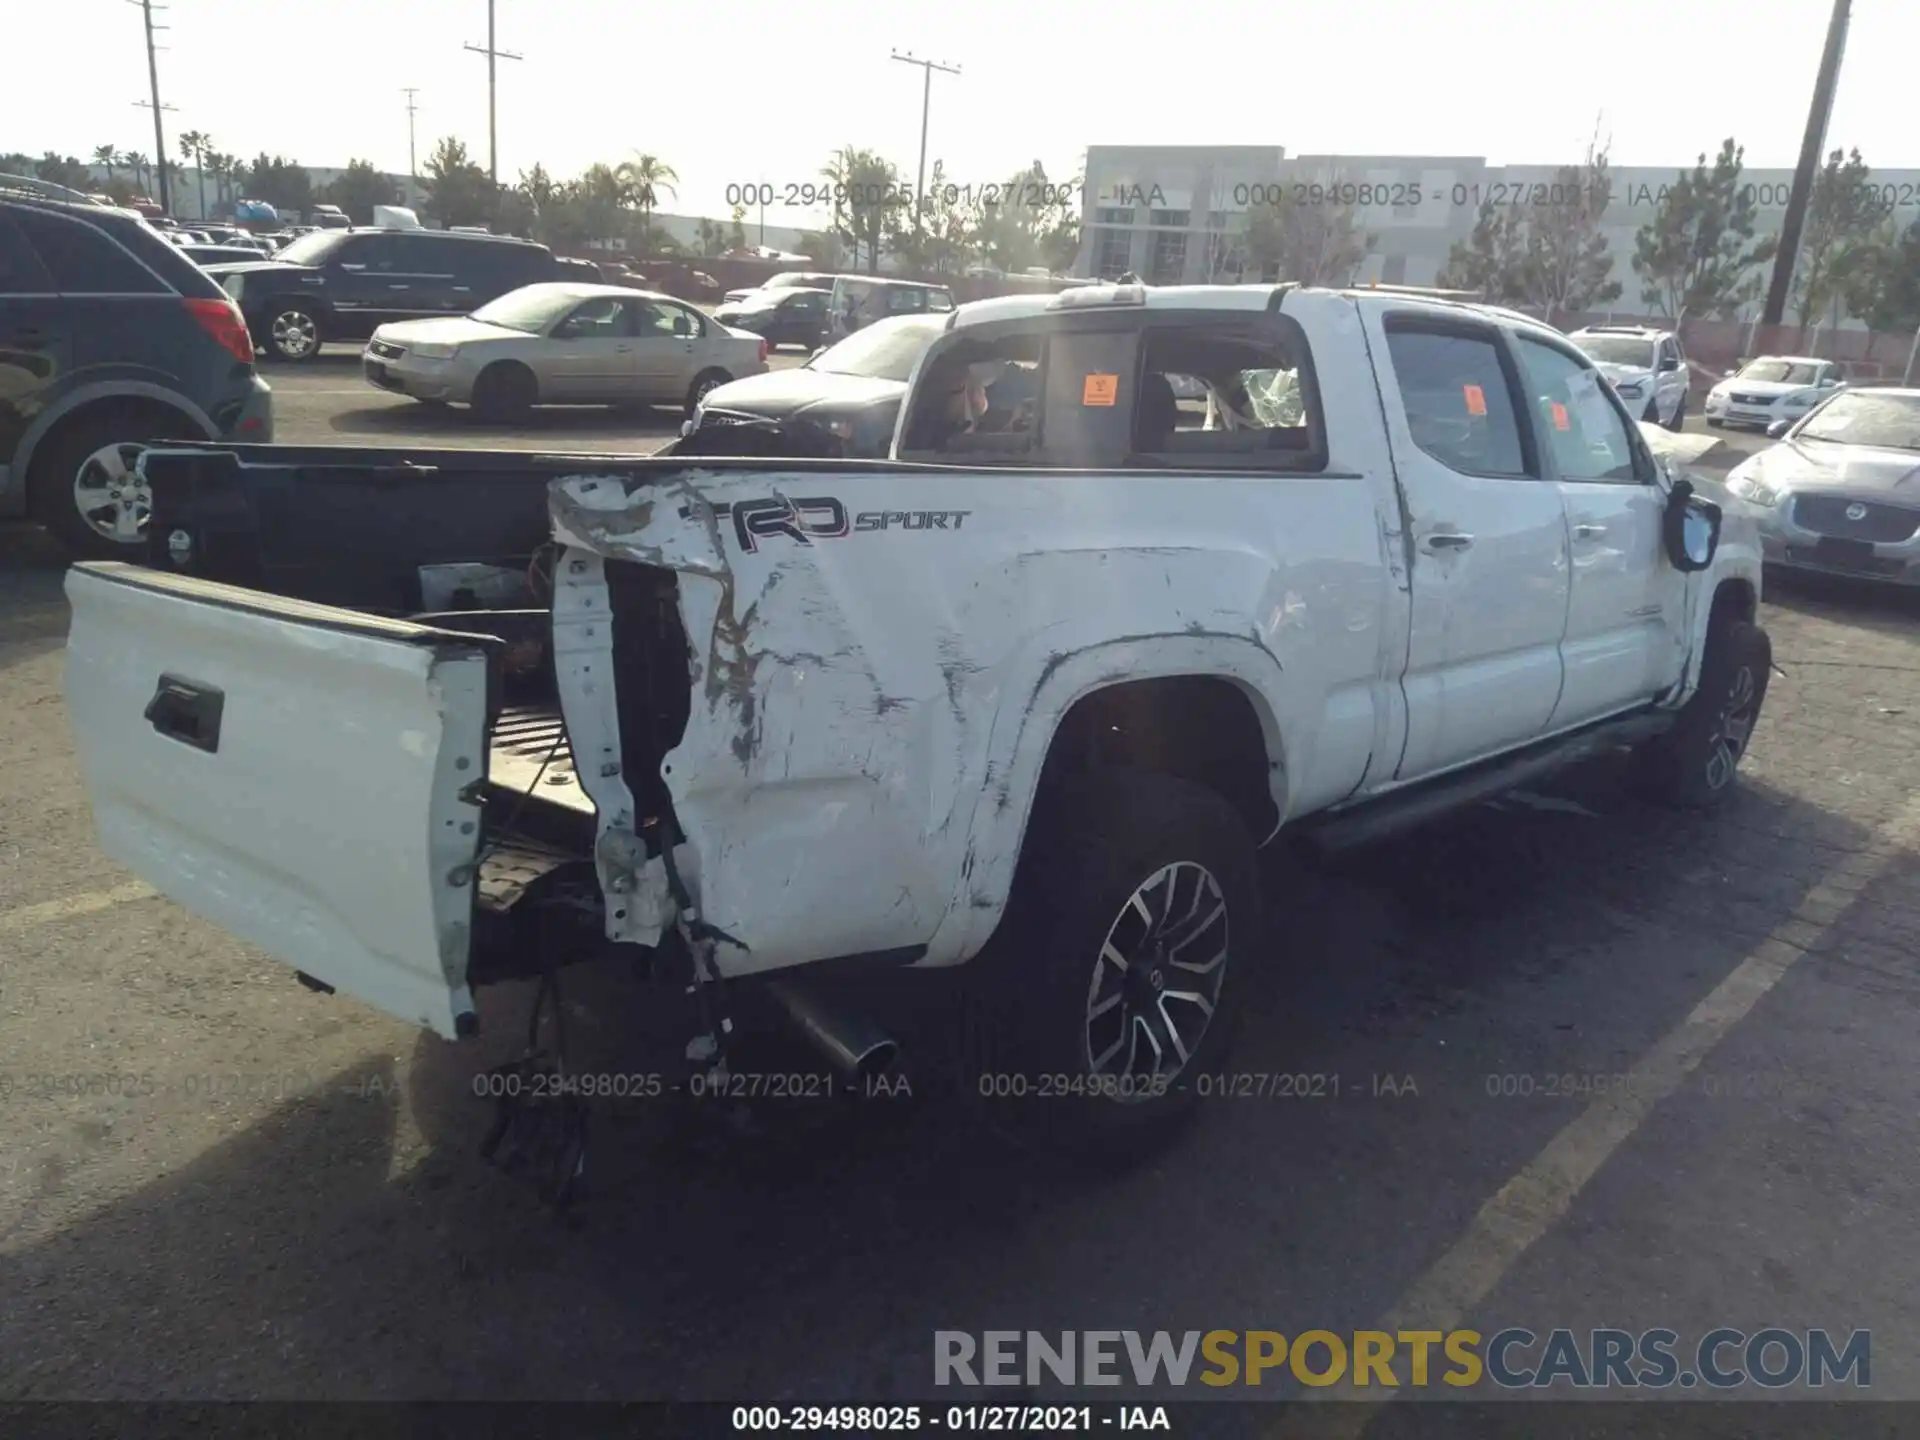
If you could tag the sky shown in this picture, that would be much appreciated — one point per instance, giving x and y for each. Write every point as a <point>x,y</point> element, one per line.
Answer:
<point>752,93</point>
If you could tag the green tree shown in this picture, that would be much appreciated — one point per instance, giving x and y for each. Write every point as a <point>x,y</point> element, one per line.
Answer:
<point>67,170</point>
<point>1569,265</point>
<point>944,242</point>
<point>1882,285</point>
<point>737,232</point>
<point>105,156</point>
<point>1842,213</point>
<point>821,248</point>
<point>1698,254</point>
<point>359,188</point>
<point>142,170</point>
<point>1030,220</point>
<point>651,177</point>
<point>1313,243</point>
<point>869,208</point>
<point>459,192</point>
<point>712,242</point>
<point>282,183</point>
<point>1493,261</point>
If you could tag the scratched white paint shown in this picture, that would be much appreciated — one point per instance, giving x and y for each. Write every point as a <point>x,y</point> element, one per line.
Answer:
<point>871,710</point>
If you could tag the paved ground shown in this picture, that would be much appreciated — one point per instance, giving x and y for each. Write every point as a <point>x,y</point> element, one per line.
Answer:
<point>288,1202</point>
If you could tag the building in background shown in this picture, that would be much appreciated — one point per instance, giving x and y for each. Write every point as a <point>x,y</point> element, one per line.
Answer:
<point>1173,214</point>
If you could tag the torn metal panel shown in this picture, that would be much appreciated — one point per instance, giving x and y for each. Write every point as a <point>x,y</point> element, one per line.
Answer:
<point>872,703</point>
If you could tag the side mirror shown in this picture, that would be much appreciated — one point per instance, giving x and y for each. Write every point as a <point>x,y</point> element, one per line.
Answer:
<point>681,327</point>
<point>1690,528</point>
<point>1778,428</point>
<point>1669,364</point>
<point>1829,382</point>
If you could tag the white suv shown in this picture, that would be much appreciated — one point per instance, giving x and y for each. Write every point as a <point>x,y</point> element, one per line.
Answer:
<point>1646,367</point>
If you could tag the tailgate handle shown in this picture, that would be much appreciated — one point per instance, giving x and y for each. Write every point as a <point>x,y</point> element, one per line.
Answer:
<point>189,713</point>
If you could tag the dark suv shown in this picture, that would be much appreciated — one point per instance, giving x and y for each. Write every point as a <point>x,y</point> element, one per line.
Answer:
<point>345,284</point>
<point>109,337</point>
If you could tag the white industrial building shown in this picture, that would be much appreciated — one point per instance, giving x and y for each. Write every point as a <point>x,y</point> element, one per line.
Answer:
<point>1172,214</point>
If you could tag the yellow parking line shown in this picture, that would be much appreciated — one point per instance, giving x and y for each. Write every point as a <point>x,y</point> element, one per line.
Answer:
<point>27,916</point>
<point>1529,1204</point>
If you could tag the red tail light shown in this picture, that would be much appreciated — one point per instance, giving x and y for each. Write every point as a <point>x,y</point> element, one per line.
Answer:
<point>222,320</point>
<point>763,350</point>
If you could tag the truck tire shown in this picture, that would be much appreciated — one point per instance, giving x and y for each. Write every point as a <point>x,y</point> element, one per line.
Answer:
<point>1693,765</point>
<point>1096,972</point>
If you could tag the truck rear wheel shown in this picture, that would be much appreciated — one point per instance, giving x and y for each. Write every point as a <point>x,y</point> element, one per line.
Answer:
<point>1108,990</point>
<point>1693,765</point>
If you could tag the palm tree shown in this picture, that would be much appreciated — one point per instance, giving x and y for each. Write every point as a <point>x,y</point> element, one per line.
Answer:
<point>137,163</point>
<point>838,173</point>
<point>106,155</point>
<point>193,146</point>
<point>649,175</point>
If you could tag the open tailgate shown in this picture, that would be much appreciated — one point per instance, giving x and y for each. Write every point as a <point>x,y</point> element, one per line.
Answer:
<point>298,775</point>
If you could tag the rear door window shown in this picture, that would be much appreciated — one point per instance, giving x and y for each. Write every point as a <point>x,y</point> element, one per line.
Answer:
<point>83,260</point>
<point>1457,400</point>
<point>21,272</point>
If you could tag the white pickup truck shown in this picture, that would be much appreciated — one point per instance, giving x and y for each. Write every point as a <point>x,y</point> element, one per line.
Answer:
<point>1029,694</point>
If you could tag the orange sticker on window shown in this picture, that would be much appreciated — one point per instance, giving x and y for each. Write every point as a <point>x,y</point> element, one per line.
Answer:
<point>1561,420</point>
<point>1476,399</point>
<point>1101,390</point>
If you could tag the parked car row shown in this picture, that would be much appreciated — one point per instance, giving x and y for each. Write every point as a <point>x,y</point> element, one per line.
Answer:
<point>558,342</point>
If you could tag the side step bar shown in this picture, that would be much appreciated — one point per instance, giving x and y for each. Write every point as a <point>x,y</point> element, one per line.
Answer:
<point>1402,810</point>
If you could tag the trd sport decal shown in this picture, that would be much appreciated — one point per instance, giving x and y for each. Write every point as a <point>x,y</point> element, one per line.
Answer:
<point>819,517</point>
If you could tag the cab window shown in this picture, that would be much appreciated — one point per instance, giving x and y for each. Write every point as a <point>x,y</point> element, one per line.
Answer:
<point>1456,396</point>
<point>605,317</point>
<point>1586,432</point>
<point>1217,393</point>
<point>978,398</point>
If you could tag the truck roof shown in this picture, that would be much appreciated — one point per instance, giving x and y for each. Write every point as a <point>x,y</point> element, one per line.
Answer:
<point>1252,299</point>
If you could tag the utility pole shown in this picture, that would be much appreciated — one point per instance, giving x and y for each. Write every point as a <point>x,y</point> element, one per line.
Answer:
<point>927,68</point>
<point>153,81</point>
<point>413,167</point>
<point>493,53</point>
<point>1801,195</point>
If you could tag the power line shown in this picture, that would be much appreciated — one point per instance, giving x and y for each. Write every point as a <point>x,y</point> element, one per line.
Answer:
<point>493,53</point>
<point>147,8</point>
<point>927,68</point>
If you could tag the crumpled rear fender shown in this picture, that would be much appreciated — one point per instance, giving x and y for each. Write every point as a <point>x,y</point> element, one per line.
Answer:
<point>871,710</point>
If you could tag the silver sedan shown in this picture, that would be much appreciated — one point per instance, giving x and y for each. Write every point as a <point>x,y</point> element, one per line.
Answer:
<point>1840,492</point>
<point>563,344</point>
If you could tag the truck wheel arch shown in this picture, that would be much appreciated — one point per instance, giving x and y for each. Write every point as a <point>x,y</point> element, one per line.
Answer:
<point>73,404</point>
<point>1167,694</point>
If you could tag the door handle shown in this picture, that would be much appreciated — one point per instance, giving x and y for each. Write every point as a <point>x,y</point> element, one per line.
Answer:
<point>1588,532</point>
<point>623,349</point>
<point>1447,540</point>
<point>399,287</point>
<point>27,337</point>
<point>463,289</point>
<point>188,712</point>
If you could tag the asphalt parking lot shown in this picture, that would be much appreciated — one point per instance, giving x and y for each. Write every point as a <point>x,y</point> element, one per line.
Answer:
<point>216,1185</point>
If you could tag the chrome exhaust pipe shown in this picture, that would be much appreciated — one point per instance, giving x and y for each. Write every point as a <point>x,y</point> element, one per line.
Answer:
<point>854,1046</point>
